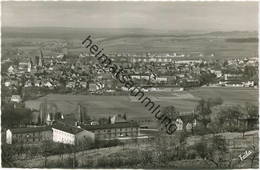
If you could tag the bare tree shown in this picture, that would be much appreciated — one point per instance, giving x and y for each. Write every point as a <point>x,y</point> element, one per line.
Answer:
<point>204,111</point>
<point>213,150</point>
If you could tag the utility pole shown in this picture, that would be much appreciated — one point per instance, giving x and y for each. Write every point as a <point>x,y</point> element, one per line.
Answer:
<point>62,154</point>
<point>74,156</point>
<point>45,155</point>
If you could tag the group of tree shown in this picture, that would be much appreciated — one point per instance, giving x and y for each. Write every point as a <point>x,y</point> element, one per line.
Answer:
<point>233,118</point>
<point>15,116</point>
<point>212,150</point>
<point>206,78</point>
<point>231,69</point>
<point>204,109</point>
<point>215,117</point>
<point>250,72</point>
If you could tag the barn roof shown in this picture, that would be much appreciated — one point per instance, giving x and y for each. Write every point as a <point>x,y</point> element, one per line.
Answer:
<point>67,128</point>
<point>30,129</point>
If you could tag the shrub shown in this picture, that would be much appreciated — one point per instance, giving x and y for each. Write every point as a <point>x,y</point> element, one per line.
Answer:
<point>191,154</point>
<point>106,143</point>
<point>199,130</point>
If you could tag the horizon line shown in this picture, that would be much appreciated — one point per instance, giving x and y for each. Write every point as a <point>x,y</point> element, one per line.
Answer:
<point>155,29</point>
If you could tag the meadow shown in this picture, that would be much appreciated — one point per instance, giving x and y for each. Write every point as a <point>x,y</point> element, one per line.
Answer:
<point>99,106</point>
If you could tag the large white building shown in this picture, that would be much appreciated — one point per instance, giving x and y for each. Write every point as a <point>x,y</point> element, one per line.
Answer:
<point>70,135</point>
<point>58,132</point>
<point>28,135</point>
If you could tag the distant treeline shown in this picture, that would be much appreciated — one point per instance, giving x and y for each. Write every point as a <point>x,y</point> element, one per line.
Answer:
<point>109,33</point>
<point>242,40</point>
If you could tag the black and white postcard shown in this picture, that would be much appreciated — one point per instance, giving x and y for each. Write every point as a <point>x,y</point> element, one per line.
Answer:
<point>129,84</point>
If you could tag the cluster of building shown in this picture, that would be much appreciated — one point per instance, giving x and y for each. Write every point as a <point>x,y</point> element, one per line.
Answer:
<point>61,132</point>
<point>159,58</point>
<point>152,72</point>
<point>240,73</point>
<point>160,70</point>
<point>50,125</point>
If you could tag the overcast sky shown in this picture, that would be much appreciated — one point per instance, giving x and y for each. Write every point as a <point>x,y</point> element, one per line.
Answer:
<point>218,16</point>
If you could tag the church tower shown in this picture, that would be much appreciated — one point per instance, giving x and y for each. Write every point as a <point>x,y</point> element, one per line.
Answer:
<point>30,65</point>
<point>41,60</point>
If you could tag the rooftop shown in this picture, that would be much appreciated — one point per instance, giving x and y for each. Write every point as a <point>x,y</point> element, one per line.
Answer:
<point>30,129</point>
<point>67,128</point>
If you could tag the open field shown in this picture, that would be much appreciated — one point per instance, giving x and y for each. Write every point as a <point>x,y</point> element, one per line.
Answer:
<point>106,105</point>
<point>205,45</point>
<point>128,41</point>
<point>99,106</point>
<point>230,95</point>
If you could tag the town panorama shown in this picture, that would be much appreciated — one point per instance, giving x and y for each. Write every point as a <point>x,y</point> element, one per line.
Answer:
<point>189,97</point>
